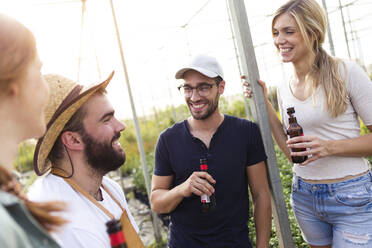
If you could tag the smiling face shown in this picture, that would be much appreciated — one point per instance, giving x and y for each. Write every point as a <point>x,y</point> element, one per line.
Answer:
<point>101,135</point>
<point>288,40</point>
<point>202,107</point>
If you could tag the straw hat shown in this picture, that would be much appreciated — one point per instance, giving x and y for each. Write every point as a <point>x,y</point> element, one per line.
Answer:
<point>66,97</point>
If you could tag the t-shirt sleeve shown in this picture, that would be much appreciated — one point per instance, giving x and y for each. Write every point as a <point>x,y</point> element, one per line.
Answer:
<point>162,163</point>
<point>256,151</point>
<point>360,92</point>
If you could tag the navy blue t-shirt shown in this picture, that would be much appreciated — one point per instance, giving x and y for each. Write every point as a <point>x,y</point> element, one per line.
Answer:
<point>236,144</point>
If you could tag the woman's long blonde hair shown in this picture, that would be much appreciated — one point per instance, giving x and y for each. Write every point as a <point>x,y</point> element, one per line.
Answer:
<point>17,51</point>
<point>312,23</point>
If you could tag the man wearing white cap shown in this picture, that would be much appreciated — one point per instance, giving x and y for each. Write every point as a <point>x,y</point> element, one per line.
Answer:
<point>231,149</point>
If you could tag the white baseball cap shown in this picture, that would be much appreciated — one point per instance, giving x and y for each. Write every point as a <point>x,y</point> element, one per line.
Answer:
<point>206,65</point>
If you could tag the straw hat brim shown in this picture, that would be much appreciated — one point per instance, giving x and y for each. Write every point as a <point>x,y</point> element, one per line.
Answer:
<point>44,145</point>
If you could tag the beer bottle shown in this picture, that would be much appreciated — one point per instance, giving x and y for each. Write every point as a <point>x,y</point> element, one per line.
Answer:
<point>295,130</point>
<point>116,234</point>
<point>208,203</point>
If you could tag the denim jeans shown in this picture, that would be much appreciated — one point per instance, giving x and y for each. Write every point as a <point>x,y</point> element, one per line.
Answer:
<point>338,213</point>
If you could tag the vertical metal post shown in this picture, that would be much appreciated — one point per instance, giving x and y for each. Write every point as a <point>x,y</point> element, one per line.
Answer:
<point>249,66</point>
<point>155,110</point>
<point>156,119</point>
<point>343,24</point>
<point>358,55</point>
<point>352,33</point>
<point>361,57</point>
<point>174,114</point>
<point>330,40</point>
<point>97,63</point>
<point>81,37</point>
<point>155,218</point>
<point>246,104</point>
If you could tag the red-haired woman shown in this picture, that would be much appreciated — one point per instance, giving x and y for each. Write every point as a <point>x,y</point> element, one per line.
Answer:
<point>23,95</point>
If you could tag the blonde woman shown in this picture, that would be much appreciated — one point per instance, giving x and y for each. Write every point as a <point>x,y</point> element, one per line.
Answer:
<point>332,189</point>
<point>23,95</point>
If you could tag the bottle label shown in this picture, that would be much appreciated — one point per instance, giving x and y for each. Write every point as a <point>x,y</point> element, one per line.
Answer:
<point>205,198</point>
<point>117,238</point>
<point>203,167</point>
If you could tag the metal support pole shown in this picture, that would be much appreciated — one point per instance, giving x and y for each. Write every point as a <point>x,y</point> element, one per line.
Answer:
<point>81,36</point>
<point>174,114</point>
<point>361,57</point>
<point>343,24</point>
<point>330,40</point>
<point>250,70</point>
<point>352,33</point>
<point>246,103</point>
<point>97,63</point>
<point>155,110</point>
<point>155,218</point>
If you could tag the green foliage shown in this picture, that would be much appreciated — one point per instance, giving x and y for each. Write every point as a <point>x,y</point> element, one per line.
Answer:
<point>273,97</point>
<point>29,182</point>
<point>286,174</point>
<point>233,105</point>
<point>364,130</point>
<point>162,244</point>
<point>138,178</point>
<point>24,161</point>
<point>150,128</point>
<point>285,170</point>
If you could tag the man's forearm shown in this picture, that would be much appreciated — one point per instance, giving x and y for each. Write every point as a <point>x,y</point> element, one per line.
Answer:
<point>165,201</point>
<point>262,219</point>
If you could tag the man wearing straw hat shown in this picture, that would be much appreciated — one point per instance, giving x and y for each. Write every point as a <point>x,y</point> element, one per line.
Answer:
<point>80,146</point>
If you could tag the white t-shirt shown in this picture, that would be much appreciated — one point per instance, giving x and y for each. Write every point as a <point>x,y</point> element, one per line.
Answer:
<point>87,223</point>
<point>316,121</point>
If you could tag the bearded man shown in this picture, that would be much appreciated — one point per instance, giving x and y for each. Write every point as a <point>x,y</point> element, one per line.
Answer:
<point>80,146</point>
<point>232,151</point>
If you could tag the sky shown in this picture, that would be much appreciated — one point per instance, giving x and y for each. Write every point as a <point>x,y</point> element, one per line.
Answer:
<point>159,37</point>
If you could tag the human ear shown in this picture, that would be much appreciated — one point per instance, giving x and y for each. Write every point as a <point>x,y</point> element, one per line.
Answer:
<point>13,89</point>
<point>221,87</point>
<point>72,140</point>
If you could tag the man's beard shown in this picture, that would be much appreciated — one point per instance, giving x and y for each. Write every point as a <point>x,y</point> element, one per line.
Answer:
<point>102,156</point>
<point>213,104</point>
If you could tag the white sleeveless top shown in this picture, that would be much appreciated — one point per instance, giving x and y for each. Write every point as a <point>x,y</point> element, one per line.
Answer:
<point>316,121</point>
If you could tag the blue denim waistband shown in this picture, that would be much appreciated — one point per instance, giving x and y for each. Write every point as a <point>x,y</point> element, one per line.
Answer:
<point>331,187</point>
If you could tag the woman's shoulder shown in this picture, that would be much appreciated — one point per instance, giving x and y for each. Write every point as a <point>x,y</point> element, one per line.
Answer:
<point>347,67</point>
<point>11,235</point>
<point>356,78</point>
<point>7,199</point>
<point>19,230</point>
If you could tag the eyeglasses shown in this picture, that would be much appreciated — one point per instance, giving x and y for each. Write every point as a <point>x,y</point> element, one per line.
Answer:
<point>203,89</point>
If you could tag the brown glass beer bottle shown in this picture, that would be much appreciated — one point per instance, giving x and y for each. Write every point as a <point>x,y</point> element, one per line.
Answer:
<point>295,130</point>
<point>208,203</point>
<point>116,235</point>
